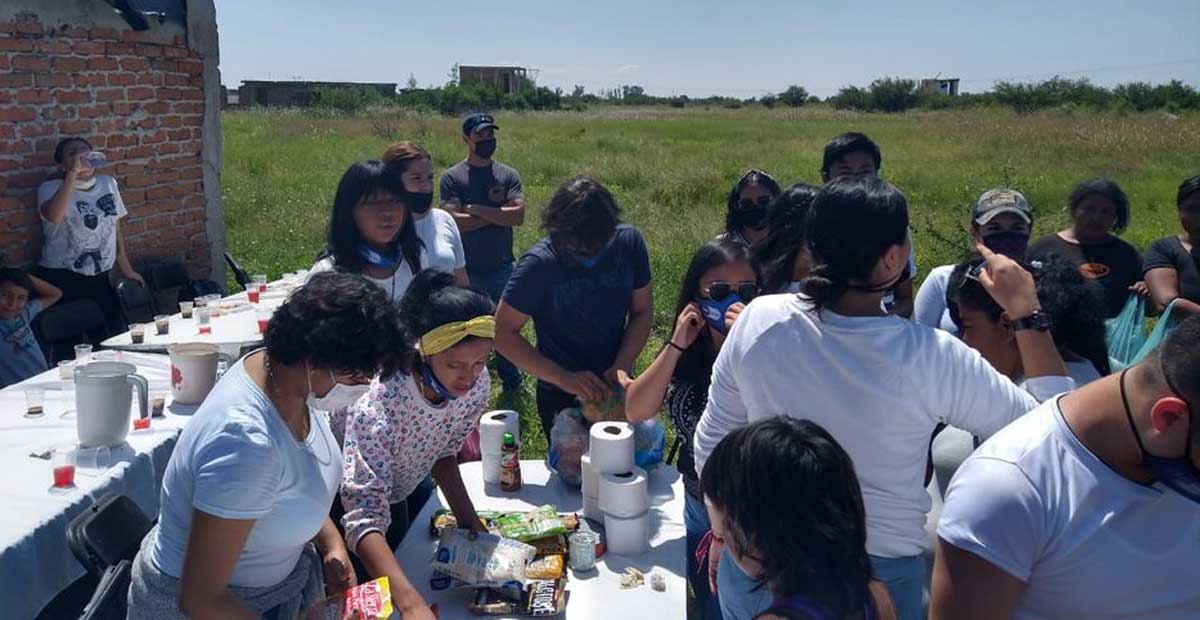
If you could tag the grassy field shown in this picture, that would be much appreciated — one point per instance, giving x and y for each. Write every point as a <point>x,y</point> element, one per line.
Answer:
<point>671,171</point>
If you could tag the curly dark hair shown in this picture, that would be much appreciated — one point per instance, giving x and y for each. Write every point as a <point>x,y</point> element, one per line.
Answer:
<point>582,216</point>
<point>433,299</point>
<point>790,495</point>
<point>776,255</point>
<point>1108,189</point>
<point>1074,304</point>
<point>340,322</point>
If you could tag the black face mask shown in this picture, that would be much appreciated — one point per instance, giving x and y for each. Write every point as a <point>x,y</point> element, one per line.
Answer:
<point>485,148</point>
<point>418,202</point>
<point>752,217</point>
<point>1010,244</point>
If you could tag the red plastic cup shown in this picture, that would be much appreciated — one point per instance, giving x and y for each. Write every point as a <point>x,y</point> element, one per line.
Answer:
<point>205,329</point>
<point>262,325</point>
<point>252,294</point>
<point>63,461</point>
<point>64,476</point>
<point>141,424</point>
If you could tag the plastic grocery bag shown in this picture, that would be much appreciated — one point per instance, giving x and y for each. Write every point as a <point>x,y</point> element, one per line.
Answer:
<point>650,442</point>
<point>1162,329</point>
<point>569,441</point>
<point>1127,333</point>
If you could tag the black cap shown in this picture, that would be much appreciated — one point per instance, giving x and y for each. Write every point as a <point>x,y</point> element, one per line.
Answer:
<point>478,122</point>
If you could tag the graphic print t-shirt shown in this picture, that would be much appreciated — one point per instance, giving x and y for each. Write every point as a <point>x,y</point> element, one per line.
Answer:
<point>20,355</point>
<point>1114,264</point>
<point>86,240</point>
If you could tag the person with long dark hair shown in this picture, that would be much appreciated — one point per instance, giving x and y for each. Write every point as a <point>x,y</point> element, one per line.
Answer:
<point>1173,263</point>
<point>435,228</point>
<point>587,288</point>
<point>413,423</point>
<point>783,257</point>
<point>719,276</point>
<point>371,230</point>
<point>746,208</point>
<point>1099,211</point>
<point>877,382</point>
<point>82,243</point>
<point>254,473</point>
<point>784,499</point>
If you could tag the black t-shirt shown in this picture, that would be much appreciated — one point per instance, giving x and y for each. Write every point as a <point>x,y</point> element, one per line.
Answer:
<point>491,247</point>
<point>579,313</point>
<point>1113,263</point>
<point>1169,252</point>
<point>686,401</point>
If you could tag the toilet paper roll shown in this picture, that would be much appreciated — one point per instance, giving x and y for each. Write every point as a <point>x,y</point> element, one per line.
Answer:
<point>591,480</point>
<point>611,447</point>
<point>591,509</point>
<point>624,495</point>
<point>491,467</point>
<point>629,536</point>
<point>493,425</point>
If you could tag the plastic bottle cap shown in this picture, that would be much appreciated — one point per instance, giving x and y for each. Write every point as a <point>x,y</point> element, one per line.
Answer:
<point>509,439</point>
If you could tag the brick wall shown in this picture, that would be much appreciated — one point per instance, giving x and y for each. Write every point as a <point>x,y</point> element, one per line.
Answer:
<point>136,96</point>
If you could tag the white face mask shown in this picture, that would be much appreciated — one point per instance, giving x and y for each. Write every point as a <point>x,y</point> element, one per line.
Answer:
<point>85,185</point>
<point>338,397</point>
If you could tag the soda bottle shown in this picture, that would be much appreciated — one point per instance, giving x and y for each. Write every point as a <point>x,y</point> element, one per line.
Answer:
<point>510,464</point>
<point>95,159</point>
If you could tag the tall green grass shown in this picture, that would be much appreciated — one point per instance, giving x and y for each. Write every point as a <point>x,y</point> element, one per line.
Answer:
<point>671,171</point>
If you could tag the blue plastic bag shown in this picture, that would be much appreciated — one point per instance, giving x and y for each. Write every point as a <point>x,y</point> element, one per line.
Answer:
<point>1158,335</point>
<point>650,442</point>
<point>1127,333</point>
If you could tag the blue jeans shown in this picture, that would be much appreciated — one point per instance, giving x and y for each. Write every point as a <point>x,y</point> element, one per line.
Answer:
<point>905,579</point>
<point>695,519</point>
<point>493,283</point>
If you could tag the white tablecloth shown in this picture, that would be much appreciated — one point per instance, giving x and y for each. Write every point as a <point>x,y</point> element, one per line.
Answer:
<point>598,595</point>
<point>34,559</point>
<point>234,329</point>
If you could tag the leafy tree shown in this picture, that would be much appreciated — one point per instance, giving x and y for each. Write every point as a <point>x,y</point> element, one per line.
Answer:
<point>794,96</point>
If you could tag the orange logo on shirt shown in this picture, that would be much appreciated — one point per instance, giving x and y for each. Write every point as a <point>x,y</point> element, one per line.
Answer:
<point>1094,271</point>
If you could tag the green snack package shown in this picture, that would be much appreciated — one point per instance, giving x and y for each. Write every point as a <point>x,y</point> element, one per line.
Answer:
<point>538,523</point>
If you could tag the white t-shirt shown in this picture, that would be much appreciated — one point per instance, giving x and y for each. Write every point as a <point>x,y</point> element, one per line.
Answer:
<point>443,244</point>
<point>1088,542</point>
<point>86,240</point>
<point>930,308</point>
<point>394,285</point>
<point>878,384</point>
<point>237,459</point>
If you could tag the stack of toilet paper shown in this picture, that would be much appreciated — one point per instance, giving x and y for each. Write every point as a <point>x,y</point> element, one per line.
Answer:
<point>614,490</point>
<point>492,426</point>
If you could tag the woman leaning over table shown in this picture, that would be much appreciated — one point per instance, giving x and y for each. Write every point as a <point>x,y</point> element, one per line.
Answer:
<point>253,475</point>
<point>415,422</point>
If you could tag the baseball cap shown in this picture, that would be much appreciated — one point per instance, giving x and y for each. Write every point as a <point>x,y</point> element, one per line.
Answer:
<point>478,122</point>
<point>1001,200</point>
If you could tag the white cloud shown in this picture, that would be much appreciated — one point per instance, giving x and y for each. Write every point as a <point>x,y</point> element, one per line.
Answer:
<point>628,69</point>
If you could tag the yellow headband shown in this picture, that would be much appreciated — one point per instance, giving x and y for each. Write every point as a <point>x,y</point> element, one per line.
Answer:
<point>445,336</point>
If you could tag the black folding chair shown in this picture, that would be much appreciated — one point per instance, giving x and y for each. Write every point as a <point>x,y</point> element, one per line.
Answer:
<point>239,273</point>
<point>111,599</point>
<point>64,325</point>
<point>109,531</point>
<point>137,304</point>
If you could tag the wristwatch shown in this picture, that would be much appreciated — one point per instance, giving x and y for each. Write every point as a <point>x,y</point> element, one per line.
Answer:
<point>1038,320</point>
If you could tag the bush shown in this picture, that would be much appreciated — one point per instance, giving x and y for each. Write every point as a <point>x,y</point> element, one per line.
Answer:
<point>794,96</point>
<point>348,99</point>
<point>852,98</point>
<point>893,94</point>
<point>769,101</point>
<point>1055,92</point>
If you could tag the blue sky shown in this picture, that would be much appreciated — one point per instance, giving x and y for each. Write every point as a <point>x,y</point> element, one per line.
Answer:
<point>703,47</point>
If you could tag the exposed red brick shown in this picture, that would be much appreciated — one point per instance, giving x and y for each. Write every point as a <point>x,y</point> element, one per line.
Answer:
<point>52,46</point>
<point>90,79</point>
<point>30,27</point>
<point>68,63</point>
<point>72,32</point>
<point>146,36</point>
<point>88,48</point>
<point>157,107</point>
<point>140,180</point>
<point>53,79</point>
<point>122,79</point>
<point>171,122</point>
<point>154,138</point>
<point>110,94</point>
<point>9,27</point>
<point>122,139</point>
<point>55,113</point>
<point>72,96</point>
<point>150,78</point>
<point>166,66</point>
<point>26,180</point>
<point>175,79</point>
<point>7,130</point>
<point>123,109</point>
<point>150,51</point>
<point>139,93</point>
<point>194,67</point>
<point>17,114</point>
<point>160,192</point>
<point>5,64</point>
<point>15,147</point>
<point>32,63</point>
<point>94,111</point>
<point>16,80</point>
<point>101,63</point>
<point>170,94</point>
<point>168,148</point>
<point>140,152</point>
<point>175,52</point>
<point>119,49</point>
<point>6,96</point>
<point>193,94</point>
<point>177,135</point>
<point>134,63</point>
<point>16,45</point>
<point>104,34</point>
<point>188,107</point>
<point>149,122</point>
<point>33,95</point>
<point>76,127</point>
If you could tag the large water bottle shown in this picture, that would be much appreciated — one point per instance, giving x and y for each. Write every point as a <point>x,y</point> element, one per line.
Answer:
<point>95,159</point>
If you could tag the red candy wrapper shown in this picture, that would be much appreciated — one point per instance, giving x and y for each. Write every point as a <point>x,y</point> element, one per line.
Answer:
<point>369,601</point>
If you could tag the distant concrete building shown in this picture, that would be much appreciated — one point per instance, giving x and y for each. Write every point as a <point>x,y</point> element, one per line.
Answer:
<point>945,86</point>
<point>296,94</point>
<point>507,80</point>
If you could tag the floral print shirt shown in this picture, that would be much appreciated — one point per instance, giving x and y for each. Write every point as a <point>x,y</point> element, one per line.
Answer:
<point>393,436</point>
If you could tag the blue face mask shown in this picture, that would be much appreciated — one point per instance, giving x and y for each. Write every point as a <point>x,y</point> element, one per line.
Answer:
<point>378,259</point>
<point>588,261</point>
<point>714,311</point>
<point>1176,473</point>
<point>434,384</point>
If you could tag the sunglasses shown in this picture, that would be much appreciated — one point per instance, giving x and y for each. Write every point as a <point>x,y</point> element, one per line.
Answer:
<point>746,203</point>
<point>718,291</point>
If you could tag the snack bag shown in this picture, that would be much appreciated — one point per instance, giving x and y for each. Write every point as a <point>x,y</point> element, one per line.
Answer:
<point>542,599</point>
<point>538,523</point>
<point>369,601</point>
<point>608,409</point>
<point>482,560</point>
<point>569,441</point>
<point>548,567</point>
